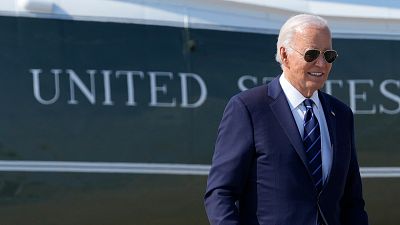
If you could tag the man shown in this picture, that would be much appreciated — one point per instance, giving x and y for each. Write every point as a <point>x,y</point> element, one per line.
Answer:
<point>285,151</point>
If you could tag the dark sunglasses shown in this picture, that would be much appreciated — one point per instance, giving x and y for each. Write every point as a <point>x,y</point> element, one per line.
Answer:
<point>313,54</point>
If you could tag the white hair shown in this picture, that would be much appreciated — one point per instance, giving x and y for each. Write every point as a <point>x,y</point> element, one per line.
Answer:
<point>297,24</point>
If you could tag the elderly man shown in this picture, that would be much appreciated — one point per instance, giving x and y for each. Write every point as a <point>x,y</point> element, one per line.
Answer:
<point>285,152</point>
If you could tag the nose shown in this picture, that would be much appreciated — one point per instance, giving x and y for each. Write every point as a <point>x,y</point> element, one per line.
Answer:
<point>320,61</point>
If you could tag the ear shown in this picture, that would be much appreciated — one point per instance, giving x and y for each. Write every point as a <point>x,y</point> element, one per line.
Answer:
<point>284,56</point>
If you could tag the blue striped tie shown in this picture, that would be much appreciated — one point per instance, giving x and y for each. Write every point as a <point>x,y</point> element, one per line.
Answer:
<point>312,144</point>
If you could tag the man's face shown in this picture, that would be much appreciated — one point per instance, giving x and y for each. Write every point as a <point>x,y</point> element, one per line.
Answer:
<point>307,77</point>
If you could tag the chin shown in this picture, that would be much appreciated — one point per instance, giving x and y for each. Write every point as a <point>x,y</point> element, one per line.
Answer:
<point>315,87</point>
<point>317,84</point>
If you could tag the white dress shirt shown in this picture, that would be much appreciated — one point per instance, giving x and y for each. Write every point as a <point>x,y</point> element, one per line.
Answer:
<point>295,99</point>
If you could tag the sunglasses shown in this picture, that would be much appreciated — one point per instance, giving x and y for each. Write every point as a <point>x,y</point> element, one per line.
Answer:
<point>313,54</point>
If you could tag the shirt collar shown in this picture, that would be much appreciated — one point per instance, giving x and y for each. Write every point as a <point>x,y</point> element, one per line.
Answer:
<point>295,98</point>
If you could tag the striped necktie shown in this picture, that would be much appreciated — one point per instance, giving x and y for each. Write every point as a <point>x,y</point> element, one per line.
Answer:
<point>312,143</point>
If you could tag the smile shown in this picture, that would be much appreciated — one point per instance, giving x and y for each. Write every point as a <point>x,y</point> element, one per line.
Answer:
<point>315,74</point>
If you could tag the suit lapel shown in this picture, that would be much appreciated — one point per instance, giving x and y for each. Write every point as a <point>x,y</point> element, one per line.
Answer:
<point>330,118</point>
<point>280,108</point>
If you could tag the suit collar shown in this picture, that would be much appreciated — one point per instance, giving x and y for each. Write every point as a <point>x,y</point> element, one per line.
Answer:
<point>275,91</point>
<point>274,88</point>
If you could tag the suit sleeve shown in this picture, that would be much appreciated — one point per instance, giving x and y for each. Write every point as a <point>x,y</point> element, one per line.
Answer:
<point>232,159</point>
<point>352,202</point>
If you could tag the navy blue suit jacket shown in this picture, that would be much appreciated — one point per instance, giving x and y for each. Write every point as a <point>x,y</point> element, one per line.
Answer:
<point>259,173</point>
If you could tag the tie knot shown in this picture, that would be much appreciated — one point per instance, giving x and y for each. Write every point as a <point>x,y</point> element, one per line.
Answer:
<point>308,103</point>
